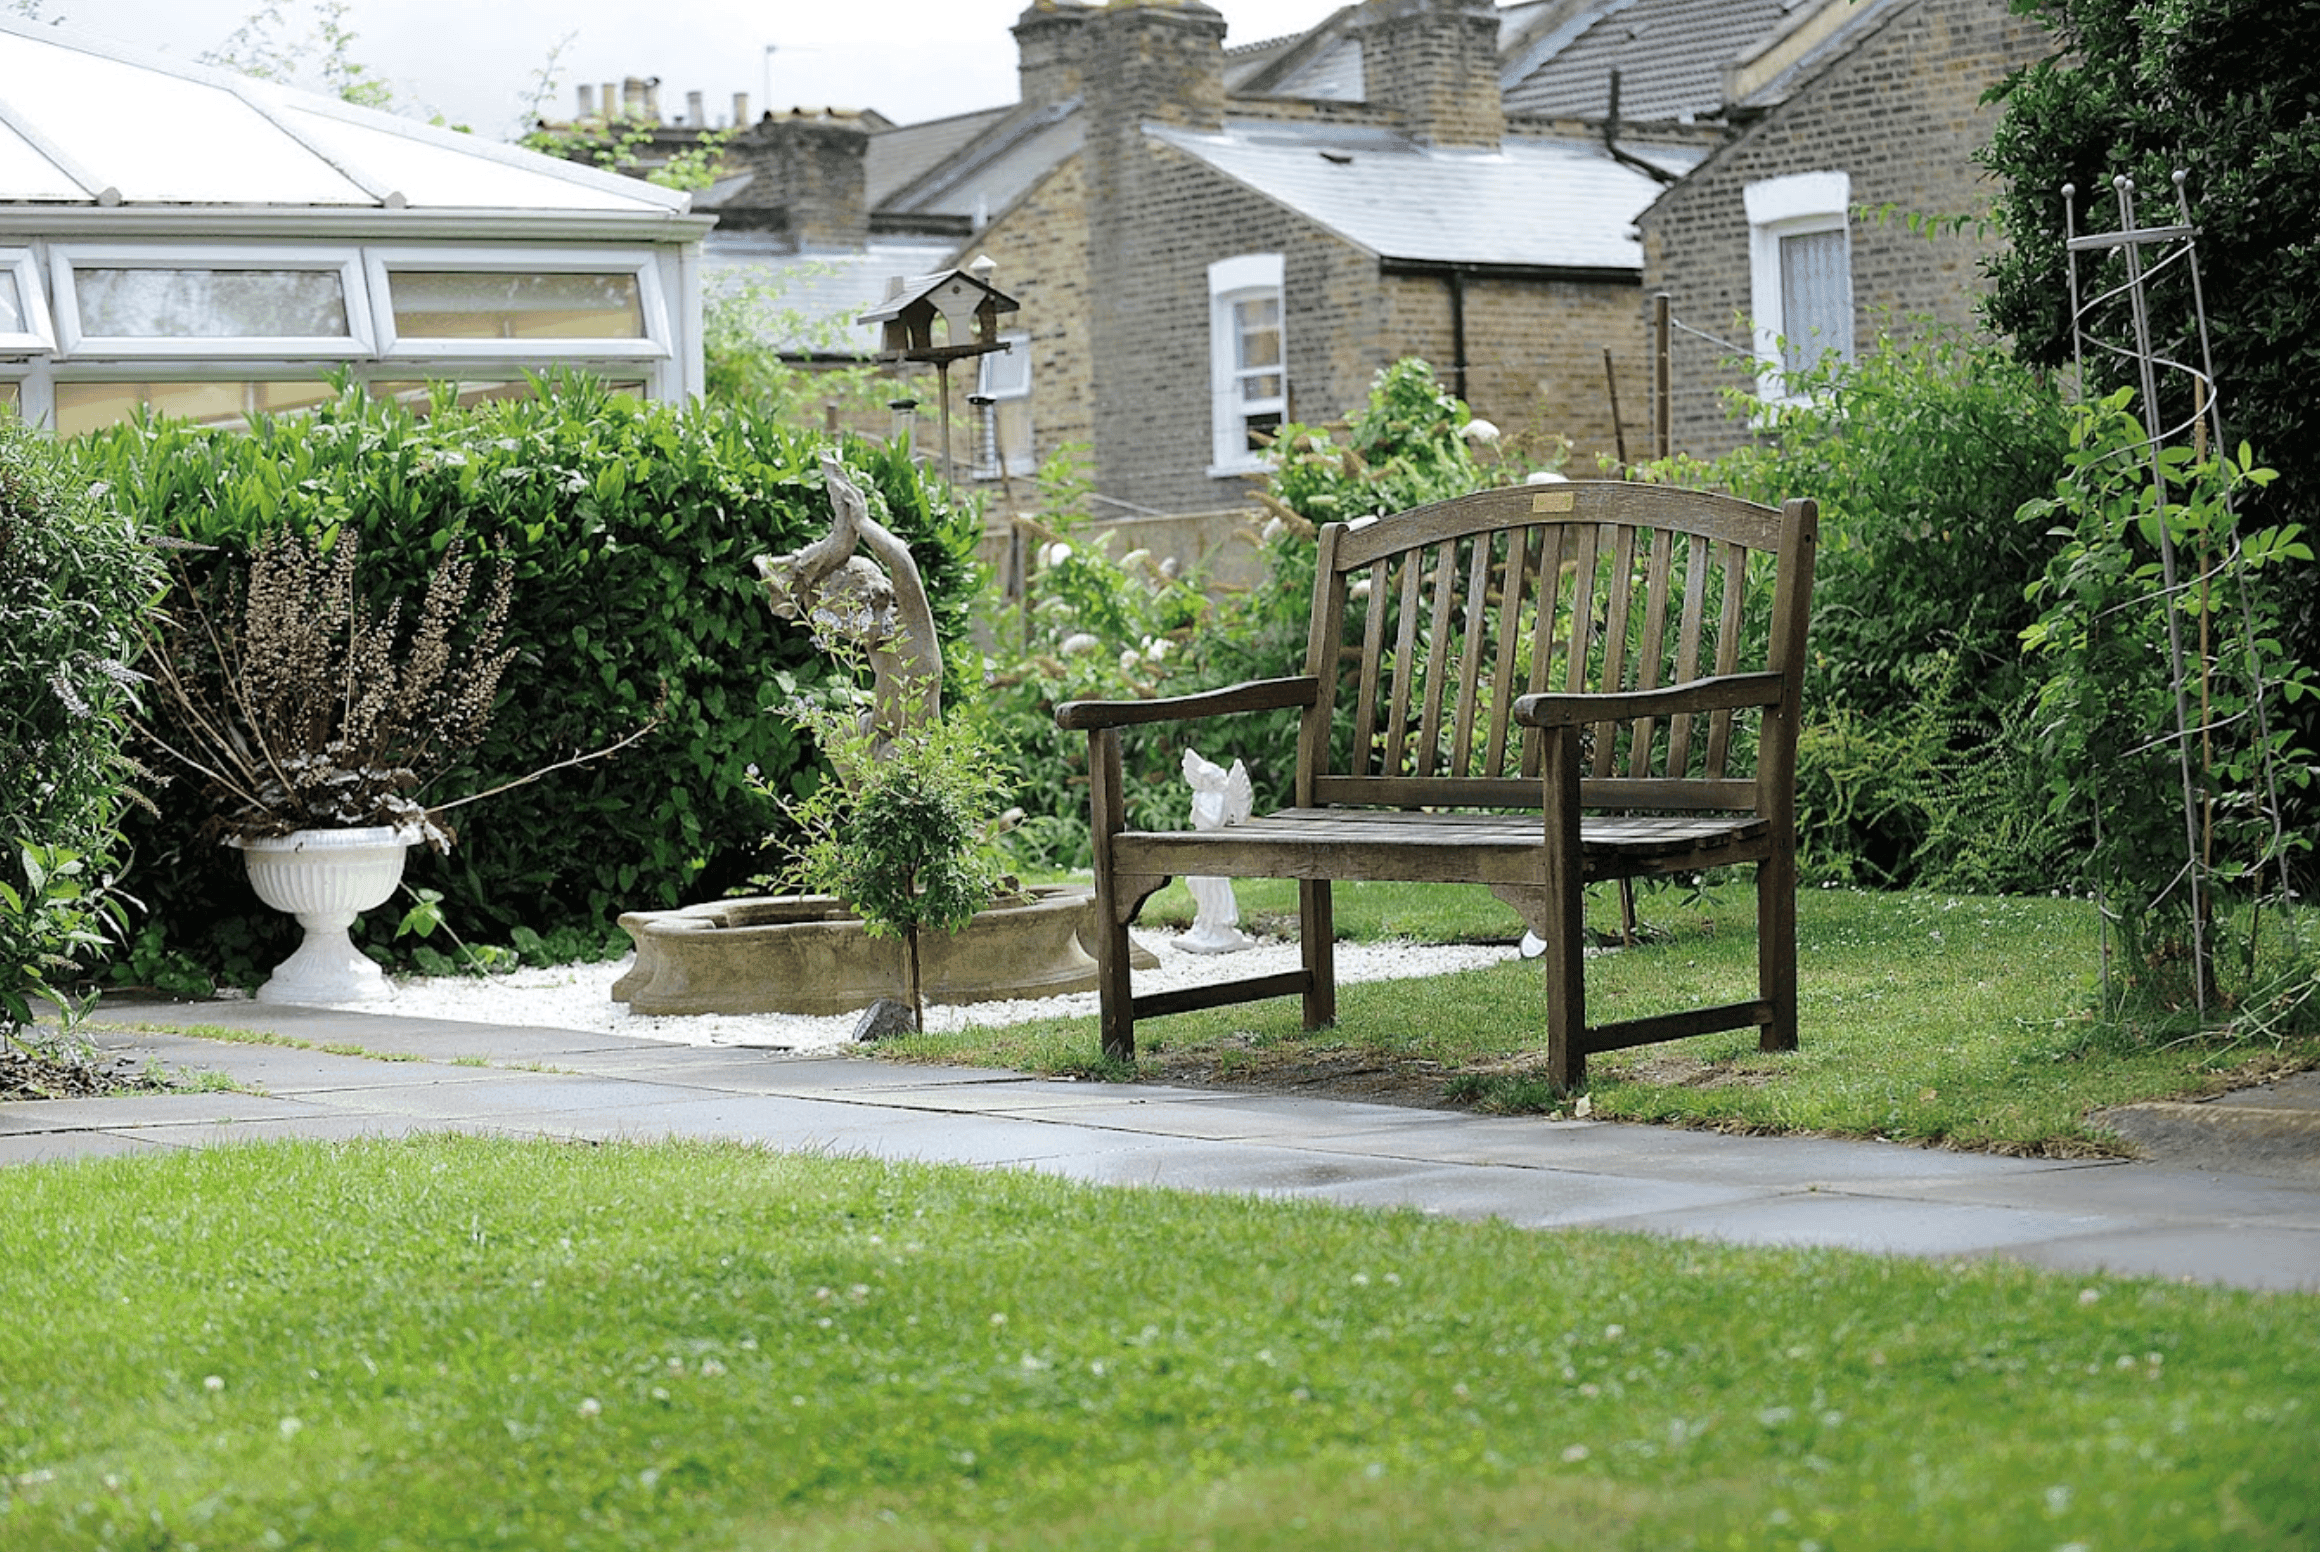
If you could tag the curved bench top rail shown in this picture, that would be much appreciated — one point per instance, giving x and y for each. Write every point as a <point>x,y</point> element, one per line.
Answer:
<point>1726,519</point>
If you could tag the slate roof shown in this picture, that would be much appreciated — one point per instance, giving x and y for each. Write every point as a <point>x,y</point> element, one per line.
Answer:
<point>85,121</point>
<point>1671,56</point>
<point>1857,20</point>
<point>998,167</point>
<point>1551,203</point>
<point>898,157</point>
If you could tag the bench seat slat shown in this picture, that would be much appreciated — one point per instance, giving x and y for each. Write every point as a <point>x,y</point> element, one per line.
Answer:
<point>1422,847</point>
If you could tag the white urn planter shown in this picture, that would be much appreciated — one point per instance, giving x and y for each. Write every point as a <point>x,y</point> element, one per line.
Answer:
<point>327,878</point>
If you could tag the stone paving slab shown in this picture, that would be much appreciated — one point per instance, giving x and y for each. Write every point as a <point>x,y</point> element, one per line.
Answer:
<point>2144,1191</point>
<point>2287,1260</point>
<point>279,1069</point>
<point>130,1112</point>
<point>1840,1220</point>
<point>431,1039</point>
<point>1535,1198</point>
<point>62,1147</point>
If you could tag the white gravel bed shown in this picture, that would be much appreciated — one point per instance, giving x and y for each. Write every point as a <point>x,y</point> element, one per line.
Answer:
<point>579,996</point>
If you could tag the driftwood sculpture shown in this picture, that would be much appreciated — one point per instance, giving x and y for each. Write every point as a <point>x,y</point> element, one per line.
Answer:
<point>845,598</point>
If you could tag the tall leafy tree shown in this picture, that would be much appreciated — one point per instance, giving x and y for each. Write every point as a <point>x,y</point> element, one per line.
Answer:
<point>2229,92</point>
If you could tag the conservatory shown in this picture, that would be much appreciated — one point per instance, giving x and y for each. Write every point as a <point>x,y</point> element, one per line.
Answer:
<point>213,246</point>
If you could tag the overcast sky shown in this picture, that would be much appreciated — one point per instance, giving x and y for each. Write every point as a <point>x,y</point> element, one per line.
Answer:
<point>478,62</point>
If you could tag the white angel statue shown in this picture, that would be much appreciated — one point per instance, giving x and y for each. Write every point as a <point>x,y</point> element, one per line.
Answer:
<point>1219,797</point>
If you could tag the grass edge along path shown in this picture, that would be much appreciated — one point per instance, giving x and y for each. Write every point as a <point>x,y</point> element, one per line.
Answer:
<point>454,1342</point>
<point>1929,1018</point>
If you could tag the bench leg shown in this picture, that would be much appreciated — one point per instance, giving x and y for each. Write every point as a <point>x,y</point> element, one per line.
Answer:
<point>1116,1020</point>
<point>1317,939</point>
<point>1563,905</point>
<point>1776,949</point>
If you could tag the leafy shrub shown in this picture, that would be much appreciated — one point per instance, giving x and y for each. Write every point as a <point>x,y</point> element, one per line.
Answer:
<point>2163,706</point>
<point>629,528</point>
<point>1094,626</point>
<point>74,580</point>
<point>1919,453</point>
<point>2225,90</point>
<point>903,836</point>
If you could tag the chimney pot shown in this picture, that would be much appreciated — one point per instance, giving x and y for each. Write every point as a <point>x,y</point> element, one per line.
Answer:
<point>695,115</point>
<point>587,101</point>
<point>740,110</point>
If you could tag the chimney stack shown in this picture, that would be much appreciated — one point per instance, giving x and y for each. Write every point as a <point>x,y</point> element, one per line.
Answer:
<point>1434,65</point>
<point>696,115</point>
<point>740,110</point>
<point>1048,38</point>
<point>632,97</point>
<point>587,101</point>
<point>806,180</point>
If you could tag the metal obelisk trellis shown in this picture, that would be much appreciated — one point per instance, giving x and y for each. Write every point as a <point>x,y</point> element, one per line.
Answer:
<point>2150,252</point>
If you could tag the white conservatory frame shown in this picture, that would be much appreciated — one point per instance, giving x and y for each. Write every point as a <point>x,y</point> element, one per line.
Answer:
<point>372,196</point>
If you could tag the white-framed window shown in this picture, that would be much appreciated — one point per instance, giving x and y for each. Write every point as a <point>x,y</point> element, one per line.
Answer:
<point>24,318</point>
<point>1003,437</point>
<point>1800,263</point>
<point>209,300</point>
<point>1248,359</point>
<point>517,302</point>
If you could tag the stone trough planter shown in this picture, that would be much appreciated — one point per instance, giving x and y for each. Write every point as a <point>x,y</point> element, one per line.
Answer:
<point>808,954</point>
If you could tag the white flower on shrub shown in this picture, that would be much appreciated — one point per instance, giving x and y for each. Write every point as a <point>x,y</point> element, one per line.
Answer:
<point>1078,644</point>
<point>1130,661</point>
<point>1156,648</point>
<point>1270,531</point>
<point>1054,554</point>
<point>1480,431</point>
<point>1134,558</point>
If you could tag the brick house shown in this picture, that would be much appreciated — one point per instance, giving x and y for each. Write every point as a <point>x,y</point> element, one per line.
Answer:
<point>1793,240</point>
<point>1205,241</point>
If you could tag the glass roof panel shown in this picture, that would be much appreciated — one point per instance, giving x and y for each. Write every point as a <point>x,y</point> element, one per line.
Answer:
<point>106,116</point>
<point>432,175</point>
<point>26,174</point>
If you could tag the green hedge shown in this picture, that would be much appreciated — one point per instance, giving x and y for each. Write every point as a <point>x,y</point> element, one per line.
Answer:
<point>74,581</point>
<point>631,527</point>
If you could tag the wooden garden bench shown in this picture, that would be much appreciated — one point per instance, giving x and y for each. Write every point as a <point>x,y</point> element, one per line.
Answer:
<point>1530,689</point>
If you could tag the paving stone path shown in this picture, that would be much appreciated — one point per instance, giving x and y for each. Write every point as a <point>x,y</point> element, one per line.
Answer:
<point>2247,1219</point>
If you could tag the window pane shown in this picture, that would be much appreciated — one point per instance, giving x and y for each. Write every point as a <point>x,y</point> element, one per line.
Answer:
<point>12,395</point>
<point>1816,300</point>
<point>419,397</point>
<point>486,304</point>
<point>1261,429</point>
<point>11,305</point>
<point>211,303</point>
<point>1261,386</point>
<point>90,406</point>
<point>1257,325</point>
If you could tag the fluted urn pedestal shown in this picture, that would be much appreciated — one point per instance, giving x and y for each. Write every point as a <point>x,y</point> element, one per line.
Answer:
<point>327,878</point>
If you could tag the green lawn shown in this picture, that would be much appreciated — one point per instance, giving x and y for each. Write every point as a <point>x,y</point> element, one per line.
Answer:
<point>1924,1017</point>
<point>455,1343</point>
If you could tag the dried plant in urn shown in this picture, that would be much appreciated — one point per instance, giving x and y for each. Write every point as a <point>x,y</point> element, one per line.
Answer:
<point>316,725</point>
<point>302,709</point>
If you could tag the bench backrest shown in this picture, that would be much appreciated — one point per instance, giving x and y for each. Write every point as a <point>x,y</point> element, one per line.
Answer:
<point>1429,624</point>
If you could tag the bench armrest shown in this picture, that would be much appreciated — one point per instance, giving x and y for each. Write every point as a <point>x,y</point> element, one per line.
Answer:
<point>1723,693</point>
<point>1255,695</point>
